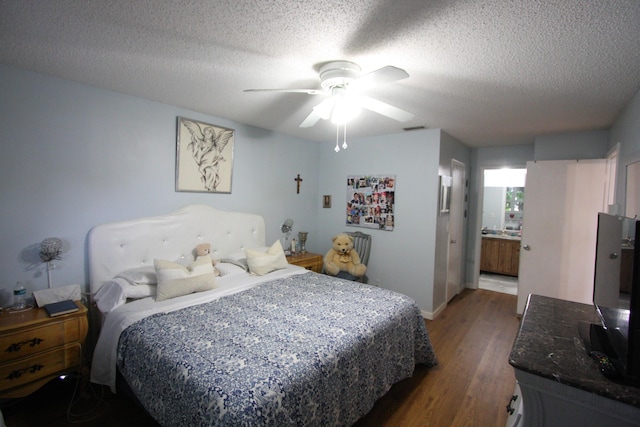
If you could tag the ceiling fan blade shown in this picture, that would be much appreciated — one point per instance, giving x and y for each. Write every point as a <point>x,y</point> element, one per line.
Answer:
<point>388,74</point>
<point>320,111</point>
<point>311,119</point>
<point>325,107</point>
<point>385,109</point>
<point>307,91</point>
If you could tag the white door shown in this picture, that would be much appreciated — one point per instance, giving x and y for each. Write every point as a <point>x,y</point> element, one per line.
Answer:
<point>456,219</point>
<point>608,263</point>
<point>557,254</point>
<point>633,190</point>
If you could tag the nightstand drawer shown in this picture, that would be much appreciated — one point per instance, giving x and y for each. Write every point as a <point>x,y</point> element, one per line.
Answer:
<point>27,342</point>
<point>307,260</point>
<point>28,369</point>
<point>310,264</point>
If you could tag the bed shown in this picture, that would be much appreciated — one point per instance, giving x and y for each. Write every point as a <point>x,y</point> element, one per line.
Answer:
<point>264,343</point>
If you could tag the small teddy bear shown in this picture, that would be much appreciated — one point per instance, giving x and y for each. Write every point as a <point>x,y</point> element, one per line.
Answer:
<point>204,249</point>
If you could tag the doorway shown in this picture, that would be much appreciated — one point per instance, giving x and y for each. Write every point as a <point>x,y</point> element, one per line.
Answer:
<point>502,215</point>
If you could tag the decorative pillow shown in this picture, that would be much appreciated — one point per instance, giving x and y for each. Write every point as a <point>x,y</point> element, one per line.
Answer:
<point>261,263</point>
<point>140,276</point>
<point>175,280</point>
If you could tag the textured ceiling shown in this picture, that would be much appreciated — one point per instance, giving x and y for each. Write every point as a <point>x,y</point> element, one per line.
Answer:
<point>487,72</point>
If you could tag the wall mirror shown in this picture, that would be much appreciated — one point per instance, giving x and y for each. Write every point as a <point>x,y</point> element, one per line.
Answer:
<point>503,199</point>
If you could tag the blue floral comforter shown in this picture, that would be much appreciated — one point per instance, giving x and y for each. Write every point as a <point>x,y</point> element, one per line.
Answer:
<point>306,350</point>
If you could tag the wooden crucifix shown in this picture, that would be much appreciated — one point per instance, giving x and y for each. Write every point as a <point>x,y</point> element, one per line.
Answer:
<point>298,180</point>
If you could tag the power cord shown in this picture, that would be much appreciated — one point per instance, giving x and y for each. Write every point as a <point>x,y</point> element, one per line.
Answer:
<point>80,396</point>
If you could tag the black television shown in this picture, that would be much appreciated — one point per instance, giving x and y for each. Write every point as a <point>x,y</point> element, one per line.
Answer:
<point>616,296</point>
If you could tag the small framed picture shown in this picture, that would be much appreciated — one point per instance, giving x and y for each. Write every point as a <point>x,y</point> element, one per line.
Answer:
<point>326,201</point>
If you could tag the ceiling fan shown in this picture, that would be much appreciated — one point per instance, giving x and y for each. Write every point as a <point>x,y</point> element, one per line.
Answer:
<point>343,82</point>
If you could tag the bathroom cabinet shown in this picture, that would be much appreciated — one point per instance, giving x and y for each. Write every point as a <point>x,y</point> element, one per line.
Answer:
<point>500,255</point>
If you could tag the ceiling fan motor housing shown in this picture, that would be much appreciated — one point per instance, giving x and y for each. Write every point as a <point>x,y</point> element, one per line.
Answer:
<point>337,74</point>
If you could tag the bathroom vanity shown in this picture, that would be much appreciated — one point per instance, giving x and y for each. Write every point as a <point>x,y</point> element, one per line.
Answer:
<point>500,254</point>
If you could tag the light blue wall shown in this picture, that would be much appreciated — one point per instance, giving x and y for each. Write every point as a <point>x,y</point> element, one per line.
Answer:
<point>402,259</point>
<point>572,145</point>
<point>626,129</point>
<point>75,156</point>
<point>626,132</point>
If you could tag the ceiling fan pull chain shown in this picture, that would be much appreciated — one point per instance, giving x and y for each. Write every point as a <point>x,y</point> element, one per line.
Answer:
<point>344,143</point>
<point>337,138</point>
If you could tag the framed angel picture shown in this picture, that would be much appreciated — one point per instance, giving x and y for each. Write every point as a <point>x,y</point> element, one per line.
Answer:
<point>204,157</point>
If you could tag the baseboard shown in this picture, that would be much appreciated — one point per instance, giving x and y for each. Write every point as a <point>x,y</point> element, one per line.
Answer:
<point>432,315</point>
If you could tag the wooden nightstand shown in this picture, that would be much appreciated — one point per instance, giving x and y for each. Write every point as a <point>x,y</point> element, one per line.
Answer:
<point>308,260</point>
<point>35,348</point>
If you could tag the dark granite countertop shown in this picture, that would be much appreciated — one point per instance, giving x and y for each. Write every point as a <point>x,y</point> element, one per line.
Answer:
<point>549,345</point>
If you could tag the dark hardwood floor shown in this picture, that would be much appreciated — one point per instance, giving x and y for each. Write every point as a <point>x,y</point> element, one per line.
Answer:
<point>471,386</point>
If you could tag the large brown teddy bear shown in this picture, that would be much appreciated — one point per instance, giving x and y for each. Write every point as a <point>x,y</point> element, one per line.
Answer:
<point>343,258</point>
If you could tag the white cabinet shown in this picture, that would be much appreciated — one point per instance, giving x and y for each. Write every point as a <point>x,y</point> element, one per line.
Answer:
<point>514,409</point>
<point>552,404</point>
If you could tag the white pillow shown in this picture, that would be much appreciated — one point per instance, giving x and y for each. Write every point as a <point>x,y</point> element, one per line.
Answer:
<point>140,276</point>
<point>175,280</point>
<point>230,268</point>
<point>116,292</point>
<point>241,255</point>
<point>261,263</point>
<point>241,263</point>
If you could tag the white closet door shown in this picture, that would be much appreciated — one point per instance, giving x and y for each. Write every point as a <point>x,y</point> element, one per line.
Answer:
<point>456,242</point>
<point>557,254</point>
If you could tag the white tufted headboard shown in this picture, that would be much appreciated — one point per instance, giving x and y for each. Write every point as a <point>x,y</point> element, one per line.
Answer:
<point>119,246</point>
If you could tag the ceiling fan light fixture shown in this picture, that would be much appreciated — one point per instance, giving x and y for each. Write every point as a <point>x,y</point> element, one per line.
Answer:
<point>345,109</point>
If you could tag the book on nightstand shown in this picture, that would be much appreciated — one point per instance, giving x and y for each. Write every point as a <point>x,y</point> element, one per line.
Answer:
<point>61,307</point>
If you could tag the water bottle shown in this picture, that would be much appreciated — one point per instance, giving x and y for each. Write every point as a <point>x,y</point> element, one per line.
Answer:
<point>19,296</point>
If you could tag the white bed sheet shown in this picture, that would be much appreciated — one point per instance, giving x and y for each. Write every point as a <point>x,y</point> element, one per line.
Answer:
<point>103,368</point>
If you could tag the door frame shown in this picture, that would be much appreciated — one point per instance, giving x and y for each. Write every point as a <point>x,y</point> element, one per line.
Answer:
<point>478,219</point>
<point>458,192</point>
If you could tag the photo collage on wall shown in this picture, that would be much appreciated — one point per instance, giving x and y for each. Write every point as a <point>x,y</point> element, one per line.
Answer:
<point>370,201</point>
